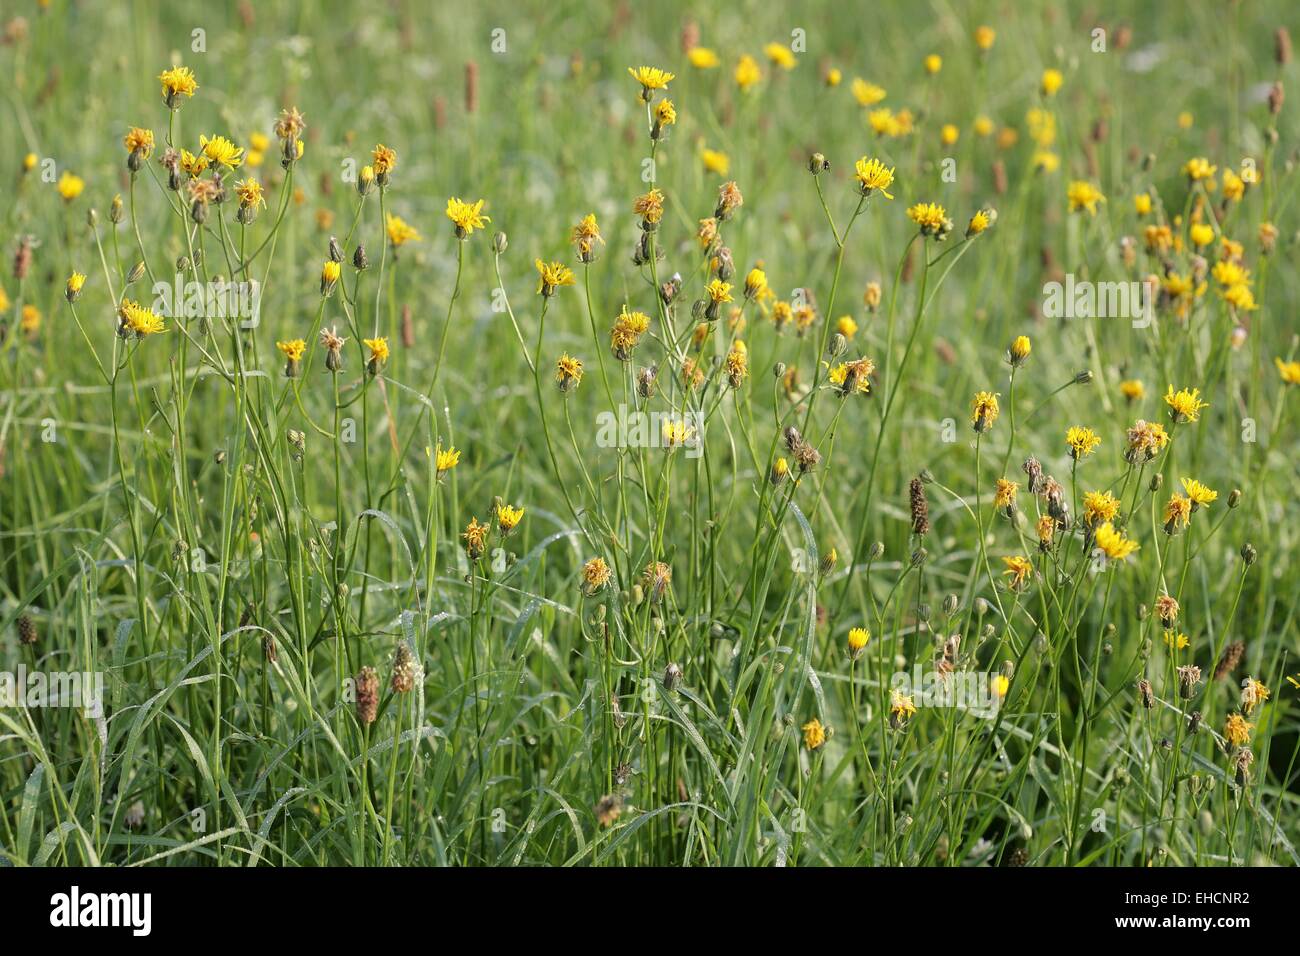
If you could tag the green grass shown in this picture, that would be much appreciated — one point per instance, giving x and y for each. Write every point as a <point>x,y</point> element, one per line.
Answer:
<point>230,547</point>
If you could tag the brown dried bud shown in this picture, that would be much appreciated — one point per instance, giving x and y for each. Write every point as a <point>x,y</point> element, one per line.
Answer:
<point>367,681</point>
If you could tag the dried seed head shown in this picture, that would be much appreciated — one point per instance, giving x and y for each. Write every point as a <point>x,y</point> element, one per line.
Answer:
<point>1145,693</point>
<point>1231,659</point>
<point>26,630</point>
<point>367,691</point>
<point>406,670</point>
<point>920,507</point>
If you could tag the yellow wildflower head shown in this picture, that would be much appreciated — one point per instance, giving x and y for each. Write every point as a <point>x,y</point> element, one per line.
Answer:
<point>873,175</point>
<point>1082,441</point>
<point>1185,404</point>
<point>177,82</point>
<point>466,216</point>
<point>552,275</point>
<point>1084,195</point>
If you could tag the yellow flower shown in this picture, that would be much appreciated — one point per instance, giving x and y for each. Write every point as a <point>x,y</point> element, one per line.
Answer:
<point>1113,543</point>
<point>378,353</point>
<point>30,322</point>
<point>258,142</point>
<point>984,411</point>
<point>833,77</point>
<point>718,291</point>
<point>445,459</point>
<point>1099,507</point>
<point>747,74</point>
<point>1234,188</point>
<point>177,82</point>
<point>568,372</point>
<point>901,708</point>
<point>550,276</point>
<point>933,63</point>
<point>858,637</point>
<point>399,232</point>
<point>949,134</point>
<point>931,217</point>
<point>1004,495</point>
<point>651,78</point>
<point>1185,405</point>
<point>1082,441</point>
<point>1185,120</point>
<point>1132,389</point>
<point>650,207</point>
<point>1176,642</point>
<point>676,433</point>
<point>1201,234</point>
<point>716,161</point>
<point>508,517</point>
<point>1000,684</point>
<point>702,58</point>
<point>1019,569</point>
<point>466,216</point>
<point>1145,441</point>
<point>596,573</point>
<point>73,288</point>
<point>1084,195</point>
<point>1046,531</point>
<point>475,538</point>
<point>1046,161</point>
<point>984,37</point>
<point>1241,297</point>
<point>193,165</point>
<point>1253,693</point>
<point>1142,203</point>
<point>1237,730</point>
<point>1051,82</point>
<point>138,319</point>
<point>329,276</point>
<point>780,55</point>
<point>138,140</point>
<point>982,219</point>
<point>70,186</point>
<point>873,175</point>
<point>983,127</point>
<point>1019,351</point>
<point>1201,495</point>
<point>755,283</point>
<point>814,735</point>
<point>383,159</point>
<point>585,236</point>
<point>665,113</point>
<point>867,94</point>
<point>220,150</point>
<point>1199,168</point>
<point>1042,126</point>
<point>249,192</point>
<point>846,326</point>
<point>1289,371</point>
<point>293,350</point>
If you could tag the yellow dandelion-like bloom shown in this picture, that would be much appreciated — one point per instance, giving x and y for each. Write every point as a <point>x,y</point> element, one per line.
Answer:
<point>508,517</point>
<point>586,236</point>
<point>139,319</point>
<point>1046,161</point>
<point>718,291</point>
<point>1019,351</point>
<point>568,372</point>
<point>177,82</point>
<point>383,159</point>
<point>551,276</point>
<point>378,349</point>
<point>845,326</point>
<point>1019,569</point>
<point>833,77</point>
<point>999,684</point>
<point>1234,187</point>
<point>901,708</point>
<point>1004,494</point>
<point>1177,641</point>
<point>984,411</point>
<point>475,536</point>
<point>1253,693</point>
<point>755,283</point>
<point>747,75</point>
<point>982,126</point>
<point>1201,234</point>
<point>1201,495</point>
<point>949,134</point>
<point>193,165</point>
<point>715,161</point>
<point>814,735</point>
<point>1241,297</point>
<point>445,459</point>
<point>1199,169</point>
<point>1084,195</point>
<point>1237,730</point>
<point>780,55</point>
<point>1288,371</point>
<point>873,175</point>
<point>1099,507</point>
<point>30,321</point>
<point>858,637</point>
<point>70,186</point>
<point>222,151</point>
<point>138,140</point>
<point>466,216</point>
<point>250,193</point>
<point>400,232</point>
<point>1046,531</point>
<point>866,93</point>
<point>595,575</point>
<point>702,58</point>
<point>72,290</point>
<point>978,223</point>
<point>1142,204</point>
<point>1050,82</point>
<point>651,78</point>
<point>1132,389</point>
<point>1113,543</point>
<point>650,206</point>
<point>1185,405</point>
<point>984,37</point>
<point>931,217</point>
<point>665,113</point>
<point>1082,441</point>
<point>293,350</point>
<point>933,63</point>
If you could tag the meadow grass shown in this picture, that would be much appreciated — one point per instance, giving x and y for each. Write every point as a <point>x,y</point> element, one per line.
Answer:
<point>774,514</point>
